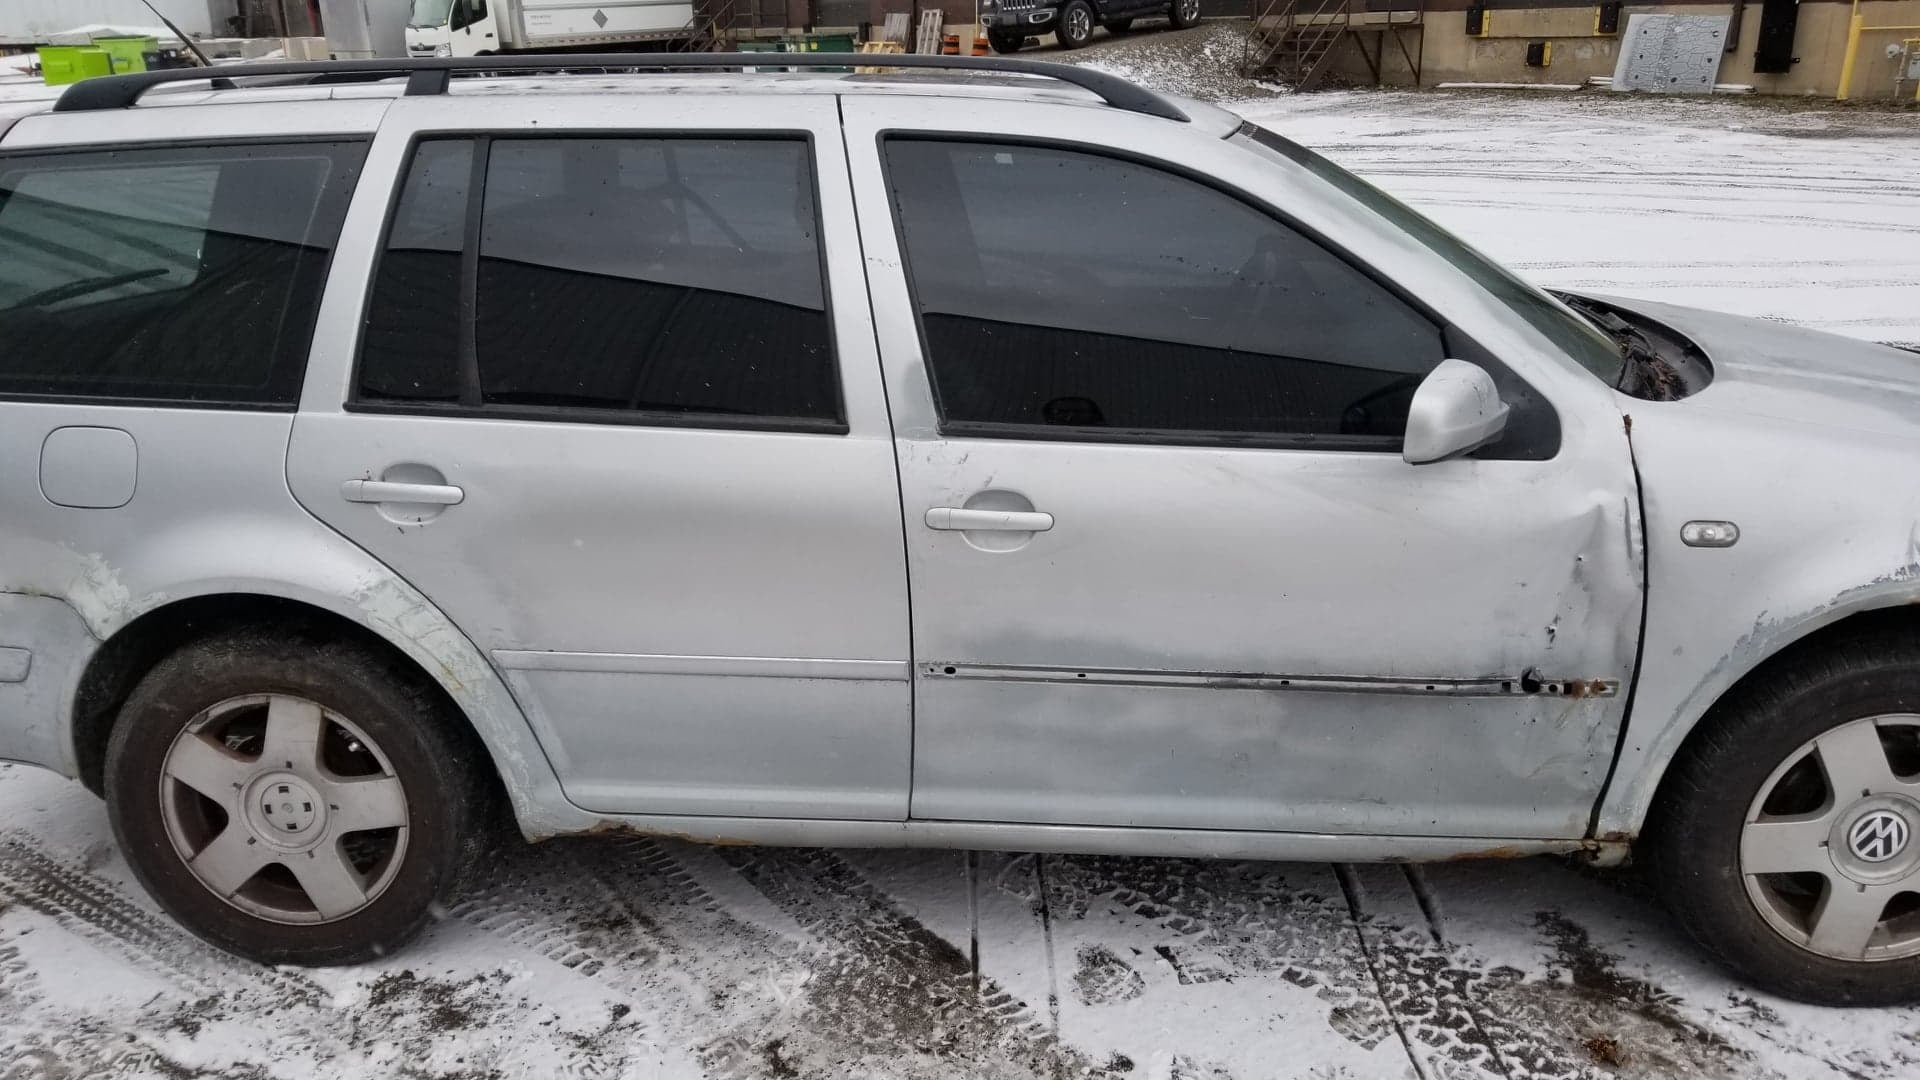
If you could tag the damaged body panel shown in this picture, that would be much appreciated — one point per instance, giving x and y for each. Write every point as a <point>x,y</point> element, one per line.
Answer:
<point>1199,638</point>
<point>1788,413</point>
<point>1132,664</point>
<point>1498,576</point>
<point>210,525</point>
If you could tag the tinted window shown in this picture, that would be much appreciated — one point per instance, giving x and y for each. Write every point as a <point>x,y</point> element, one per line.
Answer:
<point>411,349</point>
<point>1592,349</point>
<point>1068,290</point>
<point>183,274</point>
<point>659,277</point>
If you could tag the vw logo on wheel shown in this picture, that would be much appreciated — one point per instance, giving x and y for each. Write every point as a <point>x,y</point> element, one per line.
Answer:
<point>1878,836</point>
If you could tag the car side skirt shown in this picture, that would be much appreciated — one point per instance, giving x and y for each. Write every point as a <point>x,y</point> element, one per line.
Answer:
<point>1099,839</point>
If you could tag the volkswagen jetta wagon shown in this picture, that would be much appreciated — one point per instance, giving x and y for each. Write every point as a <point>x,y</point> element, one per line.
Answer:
<point>818,459</point>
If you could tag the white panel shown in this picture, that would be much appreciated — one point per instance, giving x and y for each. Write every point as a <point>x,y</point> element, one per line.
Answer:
<point>36,20</point>
<point>1671,54</point>
<point>573,18</point>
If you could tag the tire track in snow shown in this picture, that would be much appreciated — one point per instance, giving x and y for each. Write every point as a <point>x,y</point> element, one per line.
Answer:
<point>1220,920</point>
<point>867,983</point>
<point>886,982</point>
<point>95,911</point>
<point>19,986</point>
<point>625,915</point>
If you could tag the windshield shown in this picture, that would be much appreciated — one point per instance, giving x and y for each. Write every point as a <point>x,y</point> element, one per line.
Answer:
<point>430,12</point>
<point>1575,336</point>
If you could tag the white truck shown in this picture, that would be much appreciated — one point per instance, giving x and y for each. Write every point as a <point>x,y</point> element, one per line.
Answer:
<point>480,27</point>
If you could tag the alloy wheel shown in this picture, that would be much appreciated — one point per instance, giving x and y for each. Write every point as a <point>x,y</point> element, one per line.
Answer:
<point>284,809</point>
<point>1828,850</point>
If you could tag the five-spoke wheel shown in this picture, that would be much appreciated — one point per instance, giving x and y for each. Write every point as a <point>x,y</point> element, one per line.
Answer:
<point>295,799</point>
<point>283,809</point>
<point>1783,838</point>
<point>1828,853</point>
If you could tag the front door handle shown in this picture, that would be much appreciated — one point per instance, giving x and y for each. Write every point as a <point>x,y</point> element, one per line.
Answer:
<point>387,491</point>
<point>959,519</point>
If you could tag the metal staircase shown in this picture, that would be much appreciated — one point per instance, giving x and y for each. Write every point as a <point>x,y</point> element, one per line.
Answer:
<point>1295,41</point>
<point>721,25</point>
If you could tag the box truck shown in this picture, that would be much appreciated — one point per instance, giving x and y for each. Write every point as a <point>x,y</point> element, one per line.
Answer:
<point>479,27</point>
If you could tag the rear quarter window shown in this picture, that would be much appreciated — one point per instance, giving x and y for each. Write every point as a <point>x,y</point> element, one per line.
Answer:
<point>178,275</point>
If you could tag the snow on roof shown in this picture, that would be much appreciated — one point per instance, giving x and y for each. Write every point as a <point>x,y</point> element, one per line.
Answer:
<point>81,35</point>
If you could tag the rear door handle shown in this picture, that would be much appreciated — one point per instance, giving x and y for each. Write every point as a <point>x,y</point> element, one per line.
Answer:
<point>957,519</point>
<point>386,491</point>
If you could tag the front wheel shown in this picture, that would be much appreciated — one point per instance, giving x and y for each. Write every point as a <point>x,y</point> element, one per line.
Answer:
<point>1184,14</point>
<point>1076,24</point>
<point>294,801</point>
<point>1004,42</point>
<point>1787,838</point>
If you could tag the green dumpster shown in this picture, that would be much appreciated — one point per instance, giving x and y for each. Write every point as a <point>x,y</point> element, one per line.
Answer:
<point>835,43</point>
<point>128,53</point>
<point>62,64</point>
<point>826,43</point>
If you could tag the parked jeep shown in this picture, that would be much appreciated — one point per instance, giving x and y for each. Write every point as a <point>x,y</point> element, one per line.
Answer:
<point>1011,22</point>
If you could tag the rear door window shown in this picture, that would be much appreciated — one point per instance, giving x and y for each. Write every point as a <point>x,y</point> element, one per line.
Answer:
<point>186,275</point>
<point>637,280</point>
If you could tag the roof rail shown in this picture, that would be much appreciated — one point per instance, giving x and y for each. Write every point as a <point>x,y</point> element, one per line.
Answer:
<point>430,75</point>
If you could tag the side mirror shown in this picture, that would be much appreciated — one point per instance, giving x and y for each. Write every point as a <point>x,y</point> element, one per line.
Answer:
<point>1456,409</point>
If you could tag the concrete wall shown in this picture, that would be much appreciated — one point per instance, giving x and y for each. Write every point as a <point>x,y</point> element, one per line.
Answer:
<point>1820,40</point>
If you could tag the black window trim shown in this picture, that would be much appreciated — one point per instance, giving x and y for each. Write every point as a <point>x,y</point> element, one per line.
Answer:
<point>350,179</point>
<point>470,408</point>
<point>1374,444</point>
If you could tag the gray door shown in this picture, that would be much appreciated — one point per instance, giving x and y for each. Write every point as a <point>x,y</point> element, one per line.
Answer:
<point>1169,568</point>
<point>615,416</point>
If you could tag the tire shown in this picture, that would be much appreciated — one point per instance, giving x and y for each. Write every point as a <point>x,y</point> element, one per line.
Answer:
<point>1075,27</point>
<point>211,710</point>
<point>1184,14</point>
<point>1120,26</point>
<point>1798,742</point>
<point>1005,43</point>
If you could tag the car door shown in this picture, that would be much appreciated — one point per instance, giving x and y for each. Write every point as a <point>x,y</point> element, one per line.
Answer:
<point>1169,568</point>
<point>612,404</point>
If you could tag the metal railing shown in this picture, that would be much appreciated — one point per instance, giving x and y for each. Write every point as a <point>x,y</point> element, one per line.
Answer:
<point>721,25</point>
<point>1856,26</point>
<point>1296,39</point>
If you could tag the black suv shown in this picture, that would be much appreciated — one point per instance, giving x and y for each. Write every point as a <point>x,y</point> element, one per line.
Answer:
<point>1011,22</point>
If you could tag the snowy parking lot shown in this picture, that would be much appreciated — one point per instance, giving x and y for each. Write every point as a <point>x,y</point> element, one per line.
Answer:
<point>645,957</point>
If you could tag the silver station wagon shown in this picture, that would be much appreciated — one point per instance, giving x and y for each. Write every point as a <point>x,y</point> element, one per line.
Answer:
<point>999,456</point>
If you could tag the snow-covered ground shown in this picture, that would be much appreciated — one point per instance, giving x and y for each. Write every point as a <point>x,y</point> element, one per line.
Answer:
<point>1811,217</point>
<point>651,958</point>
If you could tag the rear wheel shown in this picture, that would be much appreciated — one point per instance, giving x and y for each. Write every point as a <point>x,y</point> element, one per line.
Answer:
<point>1787,839</point>
<point>1076,24</point>
<point>1004,41</point>
<point>1184,13</point>
<point>291,801</point>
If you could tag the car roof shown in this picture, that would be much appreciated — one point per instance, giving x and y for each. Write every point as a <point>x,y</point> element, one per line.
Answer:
<point>357,105</point>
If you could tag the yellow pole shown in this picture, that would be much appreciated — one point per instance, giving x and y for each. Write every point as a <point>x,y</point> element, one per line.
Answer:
<point>1854,26</point>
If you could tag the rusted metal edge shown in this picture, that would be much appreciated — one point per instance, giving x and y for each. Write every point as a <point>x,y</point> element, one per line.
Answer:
<point>1528,683</point>
<point>1099,839</point>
